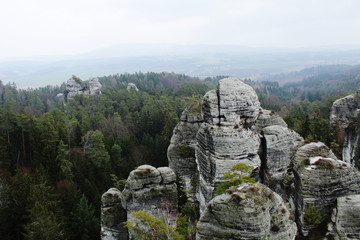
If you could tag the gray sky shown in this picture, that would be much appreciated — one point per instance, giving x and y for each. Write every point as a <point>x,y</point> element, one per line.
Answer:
<point>51,27</point>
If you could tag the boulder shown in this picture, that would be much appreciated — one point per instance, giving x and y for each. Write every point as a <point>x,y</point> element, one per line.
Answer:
<point>76,86</point>
<point>311,150</point>
<point>238,102</point>
<point>319,181</point>
<point>248,211</point>
<point>112,216</point>
<point>152,190</point>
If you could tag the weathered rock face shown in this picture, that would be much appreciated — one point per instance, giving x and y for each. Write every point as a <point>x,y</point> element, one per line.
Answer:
<point>345,219</point>
<point>152,190</point>
<point>226,137</point>
<point>343,112</point>
<point>319,181</point>
<point>251,211</point>
<point>112,216</point>
<point>268,118</point>
<point>238,103</point>
<point>181,151</point>
<point>313,149</point>
<point>279,144</point>
<point>76,86</point>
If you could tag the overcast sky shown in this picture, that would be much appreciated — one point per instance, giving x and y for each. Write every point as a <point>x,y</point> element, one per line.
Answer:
<point>51,27</point>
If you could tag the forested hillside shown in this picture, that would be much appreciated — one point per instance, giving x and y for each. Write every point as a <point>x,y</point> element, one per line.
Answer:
<point>58,158</point>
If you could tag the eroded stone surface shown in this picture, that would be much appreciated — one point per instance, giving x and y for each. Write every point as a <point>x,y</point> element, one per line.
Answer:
<point>238,102</point>
<point>112,216</point>
<point>74,87</point>
<point>319,181</point>
<point>343,112</point>
<point>181,151</point>
<point>268,118</point>
<point>345,219</point>
<point>218,149</point>
<point>250,211</point>
<point>280,145</point>
<point>152,190</point>
<point>312,150</point>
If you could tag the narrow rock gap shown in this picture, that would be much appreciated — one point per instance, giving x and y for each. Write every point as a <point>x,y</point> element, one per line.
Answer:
<point>263,158</point>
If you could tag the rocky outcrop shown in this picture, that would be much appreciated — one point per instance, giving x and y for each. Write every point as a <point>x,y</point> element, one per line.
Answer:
<point>249,211</point>
<point>112,216</point>
<point>345,219</point>
<point>76,86</point>
<point>279,145</point>
<point>343,113</point>
<point>181,151</point>
<point>226,137</point>
<point>319,180</point>
<point>131,86</point>
<point>152,190</point>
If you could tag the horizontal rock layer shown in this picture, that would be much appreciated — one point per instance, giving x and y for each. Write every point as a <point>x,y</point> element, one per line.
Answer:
<point>181,151</point>
<point>152,190</point>
<point>250,211</point>
<point>345,219</point>
<point>319,181</point>
<point>112,216</point>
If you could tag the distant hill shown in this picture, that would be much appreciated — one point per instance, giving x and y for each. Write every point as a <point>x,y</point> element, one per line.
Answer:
<point>196,61</point>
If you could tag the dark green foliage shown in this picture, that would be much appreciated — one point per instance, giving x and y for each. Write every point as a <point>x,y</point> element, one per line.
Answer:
<point>13,212</point>
<point>84,223</point>
<point>46,220</point>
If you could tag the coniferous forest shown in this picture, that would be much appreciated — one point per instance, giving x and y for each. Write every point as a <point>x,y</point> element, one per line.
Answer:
<point>58,158</point>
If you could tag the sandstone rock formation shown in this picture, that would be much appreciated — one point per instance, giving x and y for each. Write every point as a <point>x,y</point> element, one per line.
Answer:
<point>250,211</point>
<point>131,86</point>
<point>76,86</point>
<point>345,219</point>
<point>279,145</point>
<point>319,180</point>
<point>152,190</point>
<point>181,151</point>
<point>308,179</point>
<point>268,118</point>
<point>112,216</point>
<point>226,137</point>
<point>343,113</point>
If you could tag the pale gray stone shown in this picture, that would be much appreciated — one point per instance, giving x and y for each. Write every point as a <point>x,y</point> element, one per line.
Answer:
<point>319,181</point>
<point>131,86</point>
<point>280,144</point>
<point>268,118</point>
<point>91,87</point>
<point>153,191</point>
<point>181,151</point>
<point>343,112</point>
<point>112,216</point>
<point>238,102</point>
<point>345,218</point>
<point>249,211</point>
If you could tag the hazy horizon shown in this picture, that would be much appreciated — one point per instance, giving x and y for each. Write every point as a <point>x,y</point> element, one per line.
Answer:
<point>53,28</point>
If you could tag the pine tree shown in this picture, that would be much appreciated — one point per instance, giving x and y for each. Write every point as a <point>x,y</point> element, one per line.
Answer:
<point>85,225</point>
